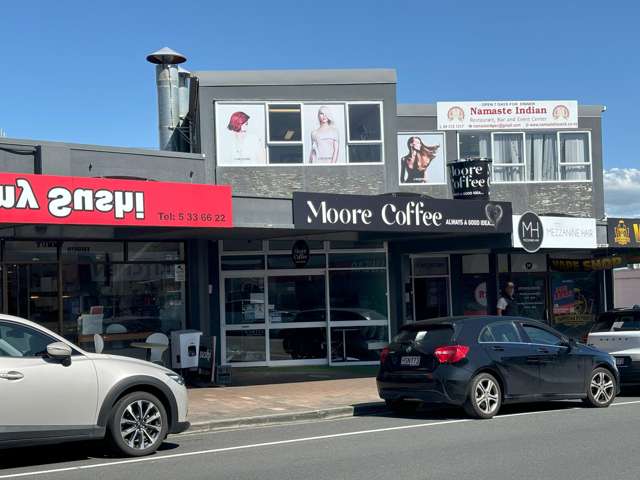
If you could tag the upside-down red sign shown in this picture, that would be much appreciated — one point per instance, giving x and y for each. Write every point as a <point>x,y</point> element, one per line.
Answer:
<point>46,199</point>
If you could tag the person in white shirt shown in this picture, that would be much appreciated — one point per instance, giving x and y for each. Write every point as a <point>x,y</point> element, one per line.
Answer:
<point>507,304</point>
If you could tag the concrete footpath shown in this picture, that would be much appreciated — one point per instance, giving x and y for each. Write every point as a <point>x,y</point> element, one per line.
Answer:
<point>242,406</point>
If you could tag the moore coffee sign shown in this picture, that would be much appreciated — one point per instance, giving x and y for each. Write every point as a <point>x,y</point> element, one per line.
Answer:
<point>389,213</point>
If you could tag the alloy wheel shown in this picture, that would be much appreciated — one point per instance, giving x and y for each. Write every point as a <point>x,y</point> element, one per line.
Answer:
<point>141,424</point>
<point>602,387</point>
<point>487,396</point>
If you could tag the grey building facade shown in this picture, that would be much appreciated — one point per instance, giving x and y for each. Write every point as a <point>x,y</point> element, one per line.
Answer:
<point>270,134</point>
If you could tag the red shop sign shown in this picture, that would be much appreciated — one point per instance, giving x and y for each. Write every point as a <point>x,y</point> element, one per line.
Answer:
<point>46,199</point>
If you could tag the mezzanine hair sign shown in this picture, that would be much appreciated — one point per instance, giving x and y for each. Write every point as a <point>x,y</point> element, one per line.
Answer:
<point>388,213</point>
<point>47,199</point>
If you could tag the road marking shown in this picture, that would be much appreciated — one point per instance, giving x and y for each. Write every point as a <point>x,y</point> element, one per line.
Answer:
<point>282,442</point>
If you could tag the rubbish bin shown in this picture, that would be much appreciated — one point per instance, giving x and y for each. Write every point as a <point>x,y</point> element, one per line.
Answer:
<point>185,346</point>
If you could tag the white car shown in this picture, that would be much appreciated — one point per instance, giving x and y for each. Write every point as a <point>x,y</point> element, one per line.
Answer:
<point>52,391</point>
<point>618,333</point>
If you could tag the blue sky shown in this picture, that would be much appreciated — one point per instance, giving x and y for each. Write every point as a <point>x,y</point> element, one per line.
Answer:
<point>76,71</point>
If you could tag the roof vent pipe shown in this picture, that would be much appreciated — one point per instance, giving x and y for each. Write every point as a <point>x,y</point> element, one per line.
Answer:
<point>167,61</point>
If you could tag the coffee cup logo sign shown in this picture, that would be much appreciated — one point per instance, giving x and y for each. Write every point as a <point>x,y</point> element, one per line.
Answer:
<point>530,232</point>
<point>300,253</point>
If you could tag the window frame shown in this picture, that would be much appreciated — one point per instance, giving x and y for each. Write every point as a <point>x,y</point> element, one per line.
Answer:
<point>527,160</point>
<point>302,103</point>
<point>522,165</point>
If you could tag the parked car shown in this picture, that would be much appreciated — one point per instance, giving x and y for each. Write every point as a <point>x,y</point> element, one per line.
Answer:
<point>618,333</point>
<point>481,363</point>
<point>52,391</point>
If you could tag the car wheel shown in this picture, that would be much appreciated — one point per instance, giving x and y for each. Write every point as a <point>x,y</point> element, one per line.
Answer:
<point>602,388</point>
<point>402,407</point>
<point>138,424</point>
<point>484,398</point>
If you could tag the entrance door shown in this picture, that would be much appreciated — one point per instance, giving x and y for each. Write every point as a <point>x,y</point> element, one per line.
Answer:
<point>431,295</point>
<point>32,293</point>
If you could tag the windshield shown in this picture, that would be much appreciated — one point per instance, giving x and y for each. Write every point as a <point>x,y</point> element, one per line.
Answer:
<point>628,322</point>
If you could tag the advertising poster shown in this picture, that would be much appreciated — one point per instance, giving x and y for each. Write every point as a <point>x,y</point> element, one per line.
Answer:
<point>474,288</point>
<point>573,297</point>
<point>421,159</point>
<point>323,134</point>
<point>240,134</point>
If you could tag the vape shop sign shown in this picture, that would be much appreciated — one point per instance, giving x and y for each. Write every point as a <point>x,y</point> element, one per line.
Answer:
<point>389,213</point>
<point>532,232</point>
<point>45,199</point>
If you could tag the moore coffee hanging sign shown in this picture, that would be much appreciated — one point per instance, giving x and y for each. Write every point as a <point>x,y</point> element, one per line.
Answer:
<point>389,213</point>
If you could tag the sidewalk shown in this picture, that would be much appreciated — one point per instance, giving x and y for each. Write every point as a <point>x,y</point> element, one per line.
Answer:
<point>234,407</point>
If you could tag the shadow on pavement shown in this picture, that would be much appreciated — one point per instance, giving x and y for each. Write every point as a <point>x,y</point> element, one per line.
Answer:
<point>62,453</point>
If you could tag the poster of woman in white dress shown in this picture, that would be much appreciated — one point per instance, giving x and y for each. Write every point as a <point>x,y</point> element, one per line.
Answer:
<point>421,158</point>
<point>324,134</point>
<point>240,134</point>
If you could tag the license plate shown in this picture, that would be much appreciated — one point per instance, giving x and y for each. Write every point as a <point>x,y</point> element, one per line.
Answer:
<point>410,361</point>
<point>619,361</point>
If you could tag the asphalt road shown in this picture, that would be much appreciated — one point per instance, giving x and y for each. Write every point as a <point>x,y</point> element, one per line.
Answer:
<point>545,441</point>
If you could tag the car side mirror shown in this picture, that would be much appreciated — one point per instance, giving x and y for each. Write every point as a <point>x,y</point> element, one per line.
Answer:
<point>59,351</point>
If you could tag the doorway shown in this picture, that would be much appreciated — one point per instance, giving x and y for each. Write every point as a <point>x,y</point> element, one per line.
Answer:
<point>431,287</point>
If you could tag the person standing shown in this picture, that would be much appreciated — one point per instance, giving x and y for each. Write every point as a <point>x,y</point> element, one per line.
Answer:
<point>507,304</point>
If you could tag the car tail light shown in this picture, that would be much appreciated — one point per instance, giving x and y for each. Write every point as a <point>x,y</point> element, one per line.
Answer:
<point>384,354</point>
<point>451,353</point>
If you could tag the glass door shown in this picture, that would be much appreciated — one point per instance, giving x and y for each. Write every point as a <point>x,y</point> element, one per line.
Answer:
<point>244,316</point>
<point>431,289</point>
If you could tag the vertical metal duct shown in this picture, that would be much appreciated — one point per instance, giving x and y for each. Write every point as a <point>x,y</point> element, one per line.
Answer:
<point>167,81</point>
<point>183,92</point>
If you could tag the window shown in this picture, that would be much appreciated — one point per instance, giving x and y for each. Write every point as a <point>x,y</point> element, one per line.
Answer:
<point>244,301</point>
<point>285,133</point>
<point>358,295</point>
<point>155,251</point>
<point>20,341</point>
<point>365,133</point>
<point>290,296</point>
<point>503,332</point>
<point>474,145</point>
<point>542,156</point>
<point>575,156</point>
<point>508,157</point>
<point>541,336</point>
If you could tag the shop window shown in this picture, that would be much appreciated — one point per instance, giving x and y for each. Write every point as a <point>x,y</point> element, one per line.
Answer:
<point>474,145</point>
<point>357,260</point>
<point>287,245</point>
<point>354,244</point>
<point>530,293</point>
<point>90,252</point>
<point>508,157</point>
<point>365,133</point>
<point>276,262</point>
<point>285,133</point>
<point>474,294</point>
<point>427,266</point>
<point>297,344</point>
<point>36,252</point>
<point>242,262</point>
<point>358,295</point>
<point>475,263</point>
<point>242,245</point>
<point>575,303</point>
<point>358,344</point>
<point>292,296</point>
<point>155,251</point>
<point>528,262</point>
<point>575,156</point>
<point>244,301</point>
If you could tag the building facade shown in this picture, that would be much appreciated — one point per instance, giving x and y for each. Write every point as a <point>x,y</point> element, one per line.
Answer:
<point>308,273</point>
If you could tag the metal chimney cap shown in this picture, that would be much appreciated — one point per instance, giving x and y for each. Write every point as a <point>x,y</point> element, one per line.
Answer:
<point>183,71</point>
<point>166,56</point>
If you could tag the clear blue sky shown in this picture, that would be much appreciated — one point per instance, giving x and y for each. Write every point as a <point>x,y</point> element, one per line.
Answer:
<point>76,71</point>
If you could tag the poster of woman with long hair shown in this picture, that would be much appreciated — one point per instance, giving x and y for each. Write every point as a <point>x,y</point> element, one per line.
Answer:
<point>324,134</point>
<point>421,159</point>
<point>240,134</point>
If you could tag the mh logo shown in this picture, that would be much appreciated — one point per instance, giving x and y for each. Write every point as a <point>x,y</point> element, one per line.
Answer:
<point>530,232</point>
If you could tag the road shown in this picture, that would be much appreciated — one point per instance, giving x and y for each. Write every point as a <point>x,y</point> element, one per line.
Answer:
<point>544,441</point>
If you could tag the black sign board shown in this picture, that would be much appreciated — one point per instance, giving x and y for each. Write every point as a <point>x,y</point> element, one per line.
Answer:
<point>389,213</point>
<point>470,179</point>
<point>300,253</point>
<point>623,232</point>
<point>530,232</point>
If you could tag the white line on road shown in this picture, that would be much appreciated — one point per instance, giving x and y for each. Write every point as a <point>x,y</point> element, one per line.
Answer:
<point>279,442</point>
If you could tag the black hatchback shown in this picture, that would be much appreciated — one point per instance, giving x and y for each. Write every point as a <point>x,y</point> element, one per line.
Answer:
<point>482,362</point>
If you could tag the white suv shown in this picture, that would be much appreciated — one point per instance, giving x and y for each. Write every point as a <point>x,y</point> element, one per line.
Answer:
<point>52,391</point>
